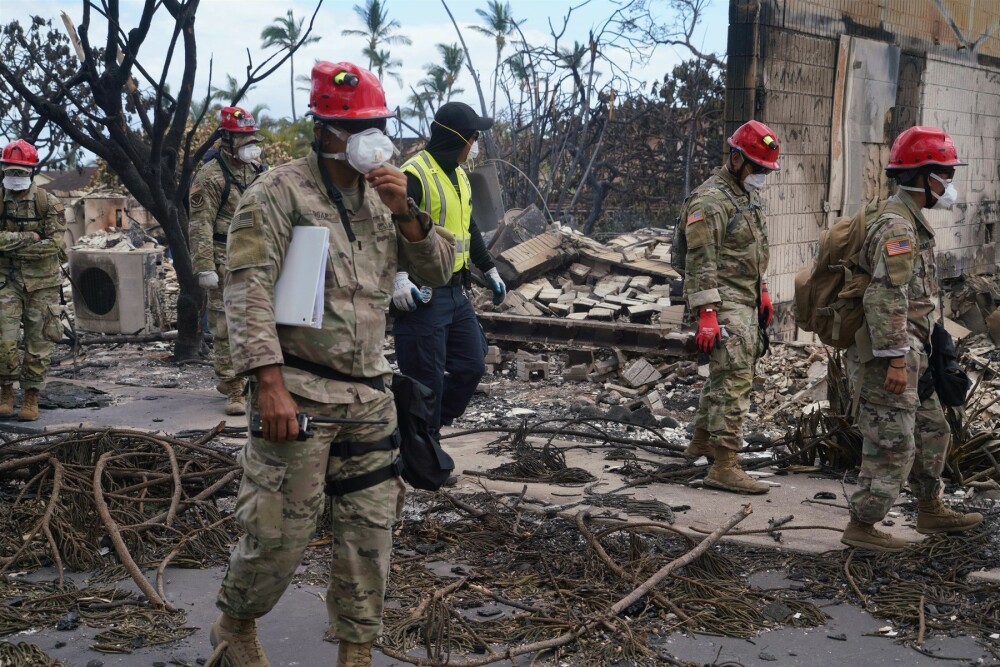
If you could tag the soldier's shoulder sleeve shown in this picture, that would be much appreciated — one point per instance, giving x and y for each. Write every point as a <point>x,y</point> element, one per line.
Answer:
<point>704,216</point>
<point>261,225</point>
<point>55,205</point>
<point>893,245</point>
<point>205,192</point>
<point>55,218</point>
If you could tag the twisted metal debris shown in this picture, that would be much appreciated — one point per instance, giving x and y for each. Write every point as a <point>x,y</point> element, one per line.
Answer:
<point>72,497</point>
<point>522,579</point>
<point>25,654</point>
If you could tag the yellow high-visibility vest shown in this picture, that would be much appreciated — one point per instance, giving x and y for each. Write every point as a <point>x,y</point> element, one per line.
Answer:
<point>447,207</point>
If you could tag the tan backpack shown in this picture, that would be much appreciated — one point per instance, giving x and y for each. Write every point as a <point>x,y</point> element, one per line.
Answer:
<point>828,294</point>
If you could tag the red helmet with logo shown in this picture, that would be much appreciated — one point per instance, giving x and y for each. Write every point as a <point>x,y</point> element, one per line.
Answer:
<point>237,119</point>
<point>343,91</point>
<point>757,143</point>
<point>20,152</point>
<point>920,146</point>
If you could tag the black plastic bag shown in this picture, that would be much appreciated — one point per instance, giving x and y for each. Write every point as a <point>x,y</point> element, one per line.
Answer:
<point>944,375</point>
<point>425,464</point>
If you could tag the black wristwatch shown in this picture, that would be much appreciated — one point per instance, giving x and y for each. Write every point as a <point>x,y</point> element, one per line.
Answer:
<point>413,213</point>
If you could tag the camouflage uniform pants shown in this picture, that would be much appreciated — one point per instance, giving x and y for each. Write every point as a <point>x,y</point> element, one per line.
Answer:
<point>904,438</point>
<point>38,312</point>
<point>280,500</point>
<point>725,396</point>
<point>220,337</point>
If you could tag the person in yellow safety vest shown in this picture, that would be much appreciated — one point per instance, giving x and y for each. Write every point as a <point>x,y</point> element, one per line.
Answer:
<point>439,341</point>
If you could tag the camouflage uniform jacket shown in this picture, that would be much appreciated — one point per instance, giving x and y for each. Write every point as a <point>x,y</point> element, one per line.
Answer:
<point>727,243</point>
<point>209,216</point>
<point>33,264</point>
<point>359,278</point>
<point>901,301</point>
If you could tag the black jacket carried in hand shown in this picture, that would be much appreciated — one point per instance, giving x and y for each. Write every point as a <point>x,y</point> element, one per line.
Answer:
<point>944,375</point>
<point>425,464</point>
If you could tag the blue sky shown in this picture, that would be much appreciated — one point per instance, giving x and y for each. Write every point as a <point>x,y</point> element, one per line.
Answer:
<point>227,28</point>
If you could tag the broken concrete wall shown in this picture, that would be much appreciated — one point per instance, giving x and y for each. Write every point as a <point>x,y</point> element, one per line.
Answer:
<point>838,80</point>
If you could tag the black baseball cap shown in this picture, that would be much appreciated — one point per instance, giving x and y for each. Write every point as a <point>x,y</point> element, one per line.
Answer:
<point>460,117</point>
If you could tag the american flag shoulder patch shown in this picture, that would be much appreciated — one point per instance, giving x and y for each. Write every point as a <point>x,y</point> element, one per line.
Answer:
<point>697,216</point>
<point>242,221</point>
<point>898,247</point>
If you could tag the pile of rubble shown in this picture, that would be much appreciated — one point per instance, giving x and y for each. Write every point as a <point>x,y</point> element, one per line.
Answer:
<point>567,288</point>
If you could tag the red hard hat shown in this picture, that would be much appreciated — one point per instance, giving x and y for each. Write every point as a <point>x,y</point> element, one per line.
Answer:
<point>20,152</point>
<point>236,119</point>
<point>342,91</point>
<point>757,143</point>
<point>919,146</point>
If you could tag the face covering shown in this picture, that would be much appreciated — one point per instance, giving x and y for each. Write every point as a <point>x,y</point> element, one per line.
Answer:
<point>16,183</point>
<point>944,201</point>
<point>249,153</point>
<point>474,151</point>
<point>948,197</point>
<point>754,181</point>
<point>365,150</point>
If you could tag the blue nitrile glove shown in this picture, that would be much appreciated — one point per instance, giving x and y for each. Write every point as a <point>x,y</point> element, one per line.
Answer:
<point>495,282</point>
<point>406,295</point>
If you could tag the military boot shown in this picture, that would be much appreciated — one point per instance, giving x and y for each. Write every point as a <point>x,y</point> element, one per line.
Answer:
<point>235,401</point>
<point>29,406</point>
<point>6,401</point>
<point>727,475</point>
<point>699,445</point>
<point>868,537</point>
<point>244,648</point>
<point>350,654</point>
<point>933,517</point>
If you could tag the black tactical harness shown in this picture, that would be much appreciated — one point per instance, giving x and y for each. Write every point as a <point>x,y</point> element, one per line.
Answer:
<point>345,450</point>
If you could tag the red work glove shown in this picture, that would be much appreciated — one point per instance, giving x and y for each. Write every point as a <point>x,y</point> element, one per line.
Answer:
<point>709,333</point>
<point>766,311</point>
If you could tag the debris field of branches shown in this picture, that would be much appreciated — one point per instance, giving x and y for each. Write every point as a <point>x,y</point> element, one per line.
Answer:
<point>73,498</point>
<point>499,575</point>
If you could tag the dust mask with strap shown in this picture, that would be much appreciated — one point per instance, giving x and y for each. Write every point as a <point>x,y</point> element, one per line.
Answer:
<point>16,180</point>
<point>474,150</point>
<point>943,201</point>
<point>754,181</point>
<point>249,153</point>
<point>365,150</point>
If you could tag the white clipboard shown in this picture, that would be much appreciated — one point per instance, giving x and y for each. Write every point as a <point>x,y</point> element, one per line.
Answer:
<point>298,293</point>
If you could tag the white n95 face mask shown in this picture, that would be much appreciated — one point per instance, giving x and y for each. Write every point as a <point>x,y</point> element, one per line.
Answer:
<point>754,181</point>
<point>249,153</point>
<point>948,197</point>
<point>365,150</point>
<point>16,183</point>
<point>474,151</point>
<point>943,202</point>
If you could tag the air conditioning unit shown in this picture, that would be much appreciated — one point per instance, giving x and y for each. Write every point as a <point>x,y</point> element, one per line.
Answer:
<point>116,292</point>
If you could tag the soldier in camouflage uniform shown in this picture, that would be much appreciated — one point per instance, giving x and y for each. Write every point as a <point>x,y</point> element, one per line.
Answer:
<point>31,251</point>
<point>215,191</point>
<point>336,371</point>
<point>903,436</point>
<point>726,260</point>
